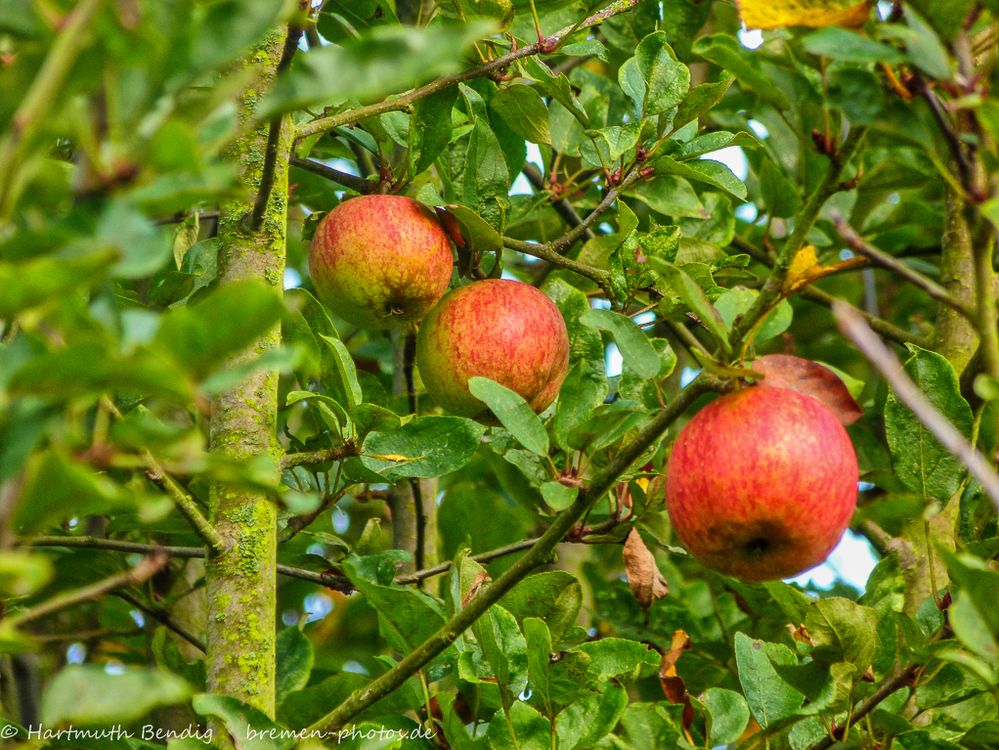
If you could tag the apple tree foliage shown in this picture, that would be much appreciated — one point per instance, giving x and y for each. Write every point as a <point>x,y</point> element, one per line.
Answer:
<point>364,561</point>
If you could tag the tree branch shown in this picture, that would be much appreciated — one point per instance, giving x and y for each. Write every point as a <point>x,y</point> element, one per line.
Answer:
<point>325,124</point>
<point>146,569</point>
<point>852,325</point>
<point>353,182</point>
<point>536,555</point>
<point>889,262</point>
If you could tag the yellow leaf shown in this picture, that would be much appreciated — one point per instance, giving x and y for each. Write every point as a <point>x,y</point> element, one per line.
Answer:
<point>776,14</point>
<point>805,268</point>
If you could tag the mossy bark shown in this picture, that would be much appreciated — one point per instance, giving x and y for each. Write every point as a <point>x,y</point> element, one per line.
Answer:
<point>241,582</point>
<point>956,339</point>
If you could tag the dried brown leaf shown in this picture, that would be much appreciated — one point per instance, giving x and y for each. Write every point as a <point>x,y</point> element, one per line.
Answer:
<point>644,578</point>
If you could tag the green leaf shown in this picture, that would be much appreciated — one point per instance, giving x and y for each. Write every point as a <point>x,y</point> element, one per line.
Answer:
<point>87,695</point>
<point>635,347</point>
<point>235,28</point>
<point>583,723</point>
<point>89,367</point>
<point>769,697</point>
<point>478,232</point>
<point>539,650</point>
<point>425,447</point>
<point>728,715</point>
<point>780,195</point>
<point>709,171</point>
<point>23,573</point>
<point>726,51</point>
<point>201,336</point>
<point>504,647</point>
<point>531,731</point>
<point>849,46</point>
<point>407,616</point>
<point>388,59</point>
<point>584,388</point>
<point>736,301</point>
<point>247,726</point>
<point>693,296</point>
<point>56,488</point>
<point>700,99</point>
<point>513,412</point>
<point>923,465</point>
<point>142,247</point>
<point>618,658</point>
<point>654,79</point>
<point>430,128</point>
<point>558,496</point>
<point>346,370</point>
<point>49,277</point>
<point>485,178</point>
<point>294,661</point>
<point>670,196</point>
<point>524,111</point>
<point>842,630</point>
<point>555,597</point>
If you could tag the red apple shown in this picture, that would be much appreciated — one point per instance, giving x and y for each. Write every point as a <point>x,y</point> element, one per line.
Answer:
<point>762,483</point>
<point>380,260</point>
<point>503,330</point>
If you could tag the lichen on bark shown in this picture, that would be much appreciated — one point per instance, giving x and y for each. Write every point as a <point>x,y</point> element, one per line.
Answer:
<point>241,582</point>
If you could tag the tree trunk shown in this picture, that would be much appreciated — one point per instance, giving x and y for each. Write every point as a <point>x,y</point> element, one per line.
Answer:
<point>241,582</point>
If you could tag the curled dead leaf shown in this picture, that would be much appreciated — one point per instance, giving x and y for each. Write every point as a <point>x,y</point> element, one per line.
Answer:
<point>644,578</point>
<point>672,684</point>
<point>800,634</point>
<point>480,580</point>
<point>812,379</point>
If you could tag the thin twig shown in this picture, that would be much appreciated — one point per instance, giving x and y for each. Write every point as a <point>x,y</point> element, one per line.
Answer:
<point>290,460</point>
<point>146,569</point>
<point>112,545</point>
<point>889,262</point>
<point>853,326</point>
<point>325,124</point>
<point>163,619</point>
<point>353,182</point>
